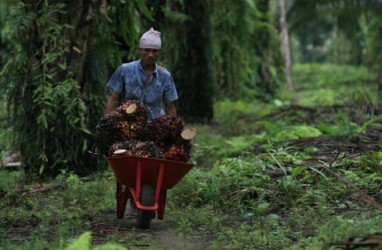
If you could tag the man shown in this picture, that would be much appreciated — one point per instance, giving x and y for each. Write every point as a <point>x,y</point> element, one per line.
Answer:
<point>144,80</point>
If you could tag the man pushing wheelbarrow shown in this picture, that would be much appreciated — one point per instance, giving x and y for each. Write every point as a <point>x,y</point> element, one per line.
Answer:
<point>141,137</point>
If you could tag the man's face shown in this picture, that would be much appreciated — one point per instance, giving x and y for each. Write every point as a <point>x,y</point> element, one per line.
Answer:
<point>149,56</point>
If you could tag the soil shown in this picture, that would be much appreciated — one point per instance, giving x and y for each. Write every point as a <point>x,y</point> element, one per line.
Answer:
<point>167,237</point>
<point>105,227</point>
<point>162,234</point>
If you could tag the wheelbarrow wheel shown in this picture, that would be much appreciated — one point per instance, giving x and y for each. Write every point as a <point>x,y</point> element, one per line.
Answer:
<point>147,199</point>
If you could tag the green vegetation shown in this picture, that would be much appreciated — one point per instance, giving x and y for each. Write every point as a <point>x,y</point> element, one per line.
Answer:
<point>329,75</point>
<point>260,181</point>
<point>275,167</point>
<point>56,58</point>
<point>258,192</point>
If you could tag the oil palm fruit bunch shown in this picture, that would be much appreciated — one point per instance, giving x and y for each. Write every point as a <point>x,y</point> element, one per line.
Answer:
<point>128,121</point>
<point>107,132</point>
<point>134,119</point>
<point>130,130</point>
<point>181,149</point>
<point>144,149</point>
<point>177,153</point>
<point>164,130</point>
<point>128,146</point>
<point>125,131</point>
<point>133,111</point>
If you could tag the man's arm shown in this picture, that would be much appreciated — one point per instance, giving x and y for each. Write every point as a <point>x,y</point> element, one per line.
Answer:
<point>112,102</point>
<point>170,109</point>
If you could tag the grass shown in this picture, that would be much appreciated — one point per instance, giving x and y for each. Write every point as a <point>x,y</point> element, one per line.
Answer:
<point>307,209</point>
<point>240,206</point>
<point>330,75</point>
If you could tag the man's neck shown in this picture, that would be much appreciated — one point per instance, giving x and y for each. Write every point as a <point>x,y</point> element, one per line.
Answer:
<point>148,67</point>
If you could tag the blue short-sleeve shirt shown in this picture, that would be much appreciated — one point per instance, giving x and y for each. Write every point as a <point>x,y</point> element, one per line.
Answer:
<point>129,80</point>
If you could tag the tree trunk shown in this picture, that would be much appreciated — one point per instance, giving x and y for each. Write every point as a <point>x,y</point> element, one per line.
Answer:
<point>186,55</point>
<point>264,50</point>
<point>186,52</point>
<point>285,43</point>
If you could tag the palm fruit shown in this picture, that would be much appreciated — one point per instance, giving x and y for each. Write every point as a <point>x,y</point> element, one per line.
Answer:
<point>181,150</point>
<point>133,111</point>
<point>164,130</point>
<point>131,130</point>
<point>126,145</point>
<point>144,149</point>
<point>177,153</point>
<point>164,137</point>
<point>126,122</point>
<point>107,132</point>
<point>134,117</point>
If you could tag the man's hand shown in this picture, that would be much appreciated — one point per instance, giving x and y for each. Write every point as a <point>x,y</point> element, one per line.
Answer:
<point>170,109</point>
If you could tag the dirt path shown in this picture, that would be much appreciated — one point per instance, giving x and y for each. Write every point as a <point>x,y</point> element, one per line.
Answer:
<point>161,236</point>
<point>165,236</point>
<point>105,227</point>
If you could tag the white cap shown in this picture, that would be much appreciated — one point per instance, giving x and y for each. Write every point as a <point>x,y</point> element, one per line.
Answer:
<point>150,40</point>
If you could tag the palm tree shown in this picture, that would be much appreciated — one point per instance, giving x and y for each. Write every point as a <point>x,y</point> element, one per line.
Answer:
<point>57,62</point>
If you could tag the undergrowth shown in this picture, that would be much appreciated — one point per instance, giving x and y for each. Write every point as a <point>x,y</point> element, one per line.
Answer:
<point>251,187</point>
<point>256,192</point>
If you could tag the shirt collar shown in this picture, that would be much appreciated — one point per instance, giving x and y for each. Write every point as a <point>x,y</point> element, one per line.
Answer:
<point>155,71</point>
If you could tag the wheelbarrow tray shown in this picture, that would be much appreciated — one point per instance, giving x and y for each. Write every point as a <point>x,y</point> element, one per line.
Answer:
<point>125,169</point>
<point>133,172</point>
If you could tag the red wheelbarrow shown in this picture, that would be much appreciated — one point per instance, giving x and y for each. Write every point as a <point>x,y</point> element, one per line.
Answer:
<point>145,181</point>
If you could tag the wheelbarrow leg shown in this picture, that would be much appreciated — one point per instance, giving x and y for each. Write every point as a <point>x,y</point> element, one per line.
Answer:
<point>121,196</point>
<point>162,204</point>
